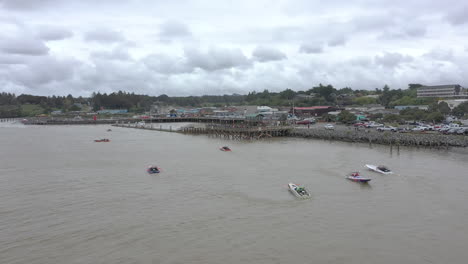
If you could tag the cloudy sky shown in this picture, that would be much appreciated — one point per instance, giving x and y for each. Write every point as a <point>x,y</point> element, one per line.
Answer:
<point>195,47</point>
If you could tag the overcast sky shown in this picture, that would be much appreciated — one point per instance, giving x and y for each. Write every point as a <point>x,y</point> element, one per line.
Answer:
<point>195,47</point>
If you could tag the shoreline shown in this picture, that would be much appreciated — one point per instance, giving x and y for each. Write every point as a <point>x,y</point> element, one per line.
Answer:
<point>348,134</point>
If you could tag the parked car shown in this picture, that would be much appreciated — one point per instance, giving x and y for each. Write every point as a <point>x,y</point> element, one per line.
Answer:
<point>420,128</point>
<point>373,124</point>
<point>329,127</point>
<point>387,128</point>
<point>359,124</point>
<point>306,121</point>
<point>462,131</point>
<point>452,130</point>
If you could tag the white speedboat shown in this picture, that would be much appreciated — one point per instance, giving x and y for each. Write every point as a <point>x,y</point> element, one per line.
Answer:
<point>298,191</point>
<point>380,169</point>
<point>356,177</point>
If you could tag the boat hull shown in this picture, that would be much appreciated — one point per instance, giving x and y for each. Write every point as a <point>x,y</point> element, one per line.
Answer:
<point>153,171</point>
<point>358,179</point>
<point>292,189</point>
<point>376,169</point>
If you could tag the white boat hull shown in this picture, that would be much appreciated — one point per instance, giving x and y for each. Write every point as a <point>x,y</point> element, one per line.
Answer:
<point>376,169</point>
<point>358,179</point>
<point>293,187</point>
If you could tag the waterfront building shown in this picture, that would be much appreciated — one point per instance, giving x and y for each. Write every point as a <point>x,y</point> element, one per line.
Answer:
<point>442,91</point>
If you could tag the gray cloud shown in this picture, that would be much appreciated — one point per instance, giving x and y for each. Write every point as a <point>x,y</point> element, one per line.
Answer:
<point>12,59</point>
<point>25,5</point>
<point>216,58</point>
<point>264,54</point>
<point>311,48</point>
<point>164,58</point>
<point>118,53</point>
<point>337,41</point>
<point>391,59</point>
<point>171,30</point>
<point>49,33</point>
<point>166,65</point>
<point>412,30</point>
<point>440,54</point>
<point>104,35</point>
<point>23,45</point>
<point>44,70</point>
<point>458,16</point>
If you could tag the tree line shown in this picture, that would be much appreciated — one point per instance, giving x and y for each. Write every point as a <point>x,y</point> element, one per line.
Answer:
<point>27,105</point>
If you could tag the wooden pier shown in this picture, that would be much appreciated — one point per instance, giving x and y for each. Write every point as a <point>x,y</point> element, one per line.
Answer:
<point>240,133</point>
<point>232,132</point>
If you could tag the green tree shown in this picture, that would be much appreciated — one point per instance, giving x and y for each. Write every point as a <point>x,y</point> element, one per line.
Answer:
<point>444,108</point>
<point>435,117</point>
<point>461,109</point>
<point>287,94</point>
<point>364,100</point>
<point>346,117</point>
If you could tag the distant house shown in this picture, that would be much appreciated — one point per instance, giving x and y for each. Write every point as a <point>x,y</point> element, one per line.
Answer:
<point>312,110</point>
<point>221,113</point>
<point>442,91</point>
<point>244,110</point>
<point>420,107</point>
<point>207,111</point>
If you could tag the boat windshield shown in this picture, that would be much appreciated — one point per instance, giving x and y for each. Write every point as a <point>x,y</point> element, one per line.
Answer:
<point>383,168</point>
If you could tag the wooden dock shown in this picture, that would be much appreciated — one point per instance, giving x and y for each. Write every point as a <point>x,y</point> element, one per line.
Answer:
<point>232,132</point>
<point>240,133</point>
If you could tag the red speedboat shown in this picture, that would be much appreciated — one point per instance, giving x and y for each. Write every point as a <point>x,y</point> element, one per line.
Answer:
<point>356,177</point>
<point>225,148</point>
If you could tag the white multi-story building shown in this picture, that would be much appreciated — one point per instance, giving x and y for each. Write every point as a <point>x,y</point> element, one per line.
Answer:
<point>442,91</point>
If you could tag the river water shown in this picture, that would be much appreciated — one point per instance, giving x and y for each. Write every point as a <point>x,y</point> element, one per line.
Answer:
<point>67,199</point>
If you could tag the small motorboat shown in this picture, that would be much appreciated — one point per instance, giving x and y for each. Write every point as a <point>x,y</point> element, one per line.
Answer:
<point>225,148</point>
<point>298,191</point>
<point>102,140</point>
<point>380,169</point>
<point>153,169</point>
<point>109,130</point>
<point>356,177</point>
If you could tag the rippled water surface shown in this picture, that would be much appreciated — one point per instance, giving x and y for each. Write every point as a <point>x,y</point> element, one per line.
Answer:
<point>67,199</point>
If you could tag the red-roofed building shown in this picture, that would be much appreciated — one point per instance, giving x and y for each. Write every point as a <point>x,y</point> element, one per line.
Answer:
<point>312,110</point>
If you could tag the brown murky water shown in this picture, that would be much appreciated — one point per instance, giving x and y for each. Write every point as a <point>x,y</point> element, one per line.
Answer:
<point>66,199</point>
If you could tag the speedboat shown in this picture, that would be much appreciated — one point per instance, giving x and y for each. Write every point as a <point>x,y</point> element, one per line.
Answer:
<point>225,148</point>
<point>356,177</point>
<point>102,140</point>
<point>153,169</point>
<point>109,130</point>
<point>380,169</point>
<point>300,192</point>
